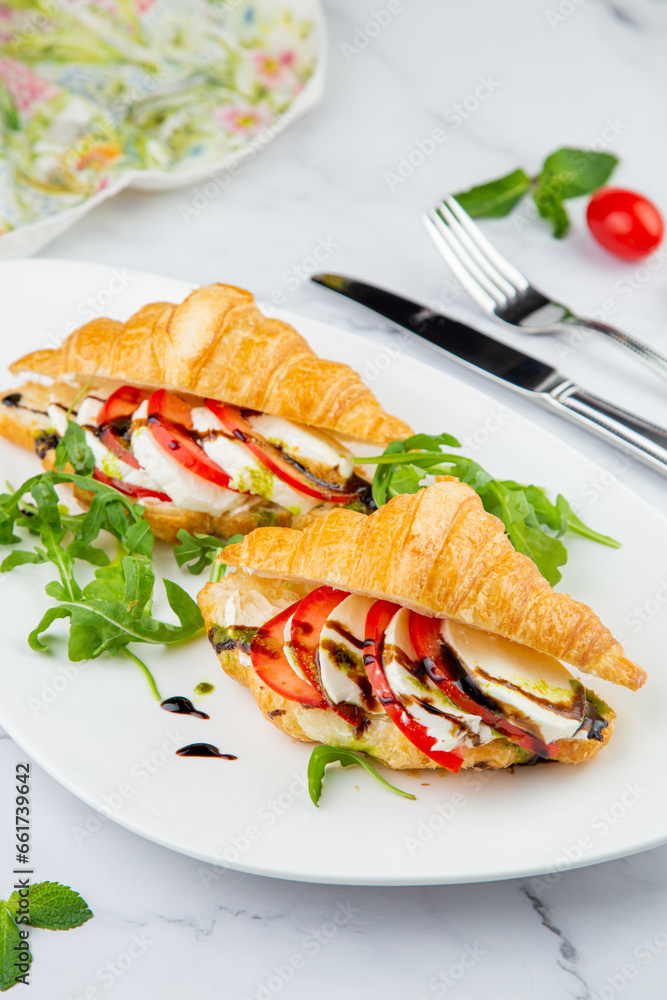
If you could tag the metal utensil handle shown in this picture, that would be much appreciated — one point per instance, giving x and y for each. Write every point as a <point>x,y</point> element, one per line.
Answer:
<point>642,351</point>
<point>641,438</point>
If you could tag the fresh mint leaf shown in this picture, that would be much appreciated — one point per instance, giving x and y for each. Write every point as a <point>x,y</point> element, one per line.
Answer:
<point>10,942</point>
<point>569,173</point>
<point>495,199</point>
<point>550,206</point>
<point>576,172</point>
<point>324,755</point>
<point>73,449</point>
<point>53,906</point>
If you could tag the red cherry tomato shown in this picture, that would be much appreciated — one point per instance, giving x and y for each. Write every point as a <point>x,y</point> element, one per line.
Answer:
<point>272,666</point>
<point>169,420</point>
<point>625,223</point>
<point>377,621</point>
<point>129,489</point>
<point>121,404</point>
<point>274,460</point>
<point>425,637</point>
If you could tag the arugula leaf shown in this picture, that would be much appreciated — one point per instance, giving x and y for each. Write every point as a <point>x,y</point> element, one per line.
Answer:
<point>496,198</point>
<point>10,941</point>
<point>323,755</point>
<point>196,552</point>
<point>53,906</point>
<point>73,449</point>
<point>525,510</point>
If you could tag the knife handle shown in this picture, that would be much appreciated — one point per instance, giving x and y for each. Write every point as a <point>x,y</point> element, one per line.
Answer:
<point>641,438</point>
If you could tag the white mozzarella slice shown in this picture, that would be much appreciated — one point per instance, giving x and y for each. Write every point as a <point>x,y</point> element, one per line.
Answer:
<point>448,725</point>
<point>247,474</point>
<point>341,653</point>
<point>528,685</point>
<point>305,444</point>
<point>288,650</point>
<point>88,411</point>
<point>57,418</point>
<point>184,487</point>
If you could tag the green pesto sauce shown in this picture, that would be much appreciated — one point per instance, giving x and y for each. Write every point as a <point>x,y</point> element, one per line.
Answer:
<point>258,480</point>
<point>268,518</point>
<point>204,688</point>
<point>601,706</point>
<point>225,637</point>
<point>111,466</point>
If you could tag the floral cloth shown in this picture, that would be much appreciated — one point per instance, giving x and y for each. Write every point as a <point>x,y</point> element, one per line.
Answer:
<point>94,89</point>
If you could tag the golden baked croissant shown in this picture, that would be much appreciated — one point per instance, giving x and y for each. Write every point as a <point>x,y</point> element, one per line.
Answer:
<point>448,566</point>
<point>216,345</point>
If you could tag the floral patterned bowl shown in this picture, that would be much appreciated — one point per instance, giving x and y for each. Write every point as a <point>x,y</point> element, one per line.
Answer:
<point>99,95</point>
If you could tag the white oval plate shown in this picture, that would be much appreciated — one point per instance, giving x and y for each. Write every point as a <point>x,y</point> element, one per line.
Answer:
<point>97,730</point>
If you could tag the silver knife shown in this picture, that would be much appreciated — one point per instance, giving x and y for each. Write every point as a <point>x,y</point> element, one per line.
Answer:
<point>529,376</point>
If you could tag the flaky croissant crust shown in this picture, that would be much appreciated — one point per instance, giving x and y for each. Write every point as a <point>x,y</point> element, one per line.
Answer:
<point>438,551</point>
<point>218,344</point>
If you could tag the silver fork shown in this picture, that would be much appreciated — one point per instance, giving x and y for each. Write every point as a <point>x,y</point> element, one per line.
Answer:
<point>501,290</point>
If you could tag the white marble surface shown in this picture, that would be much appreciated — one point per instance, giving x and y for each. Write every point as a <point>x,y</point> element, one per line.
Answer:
<point>206,933</point>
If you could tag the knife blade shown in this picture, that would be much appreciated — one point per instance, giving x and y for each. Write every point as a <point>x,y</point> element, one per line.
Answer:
<point>510,367</point>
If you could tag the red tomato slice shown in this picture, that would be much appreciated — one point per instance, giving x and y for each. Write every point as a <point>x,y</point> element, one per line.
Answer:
<point>169,421</point>
<point>275,461</point>
<point>425,637</point>
<point>307,625</point>
<point>272,666</point>
<point>130,490</point>
<point>377,622</point>
<point>121,404</point>
<point>117,445</point>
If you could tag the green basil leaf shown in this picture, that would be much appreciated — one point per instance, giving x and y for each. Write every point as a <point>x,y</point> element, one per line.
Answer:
<point>323,755</point>
<point>53,906</point>
<point>495,198</point>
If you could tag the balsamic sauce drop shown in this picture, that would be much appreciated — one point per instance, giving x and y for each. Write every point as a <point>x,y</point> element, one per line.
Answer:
<point>203,750</point>
<point>182,706</point>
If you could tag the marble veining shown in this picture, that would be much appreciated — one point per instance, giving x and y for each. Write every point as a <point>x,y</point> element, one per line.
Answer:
<point>197,931</point>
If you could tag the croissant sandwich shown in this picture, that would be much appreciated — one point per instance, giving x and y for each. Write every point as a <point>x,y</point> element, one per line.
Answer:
<point>218,419</point>
<point>417,634</point>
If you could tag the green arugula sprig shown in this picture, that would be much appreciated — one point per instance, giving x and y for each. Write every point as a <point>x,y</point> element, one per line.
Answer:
<point>53,906</point>
<point>323,755</point>
<point>113,611</point>
<point>526,511</point>
<point>196,552</point>
<point>567,173</point>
